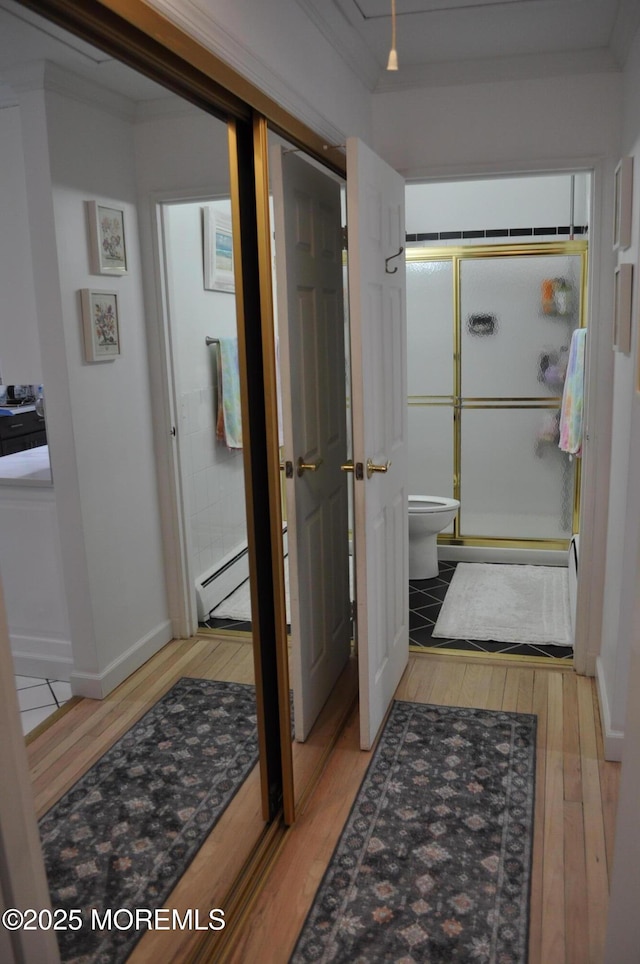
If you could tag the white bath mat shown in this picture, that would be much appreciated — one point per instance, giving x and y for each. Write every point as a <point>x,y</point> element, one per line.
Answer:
<point>507,603</point>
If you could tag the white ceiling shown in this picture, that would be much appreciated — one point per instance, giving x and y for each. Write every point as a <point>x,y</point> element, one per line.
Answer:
<point>438,41</point>
<point>493,35</point>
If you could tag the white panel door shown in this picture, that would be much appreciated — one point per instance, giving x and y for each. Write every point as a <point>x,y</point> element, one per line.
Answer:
<point>377,316</point>
<point>312,354</point>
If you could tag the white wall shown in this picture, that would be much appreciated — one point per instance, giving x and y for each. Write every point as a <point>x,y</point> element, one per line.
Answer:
<point>510,202</point>
<point>533,126</point>
<point>624,503</point>
<point>33,582</point>
<point>99,415</point>
<point>19,343</point>
<point>511,126</point>
<point>213,474</point>
<point>623,932</point>
<point>179,150</point>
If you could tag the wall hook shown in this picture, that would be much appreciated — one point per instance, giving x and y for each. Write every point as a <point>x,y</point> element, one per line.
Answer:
<point>390,258</point>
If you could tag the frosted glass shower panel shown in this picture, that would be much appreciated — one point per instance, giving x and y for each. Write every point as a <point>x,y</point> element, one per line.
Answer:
<point>430,327</point>
<point>431,450</point>
<point>516,483</point>
<point>517,316</point>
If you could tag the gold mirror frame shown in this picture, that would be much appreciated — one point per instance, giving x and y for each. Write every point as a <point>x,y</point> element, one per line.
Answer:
<point>145,40</point>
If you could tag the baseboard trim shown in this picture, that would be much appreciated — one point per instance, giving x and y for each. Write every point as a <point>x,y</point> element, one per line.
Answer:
<point>41,657</point>
<point>613,739</point>
<point>96,686</point>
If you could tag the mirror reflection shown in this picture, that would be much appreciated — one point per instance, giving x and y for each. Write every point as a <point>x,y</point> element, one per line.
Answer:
<point>312,338</point>
<point>139,708</point>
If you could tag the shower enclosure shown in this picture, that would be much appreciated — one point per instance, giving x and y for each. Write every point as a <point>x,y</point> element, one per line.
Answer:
<point>489,329</point>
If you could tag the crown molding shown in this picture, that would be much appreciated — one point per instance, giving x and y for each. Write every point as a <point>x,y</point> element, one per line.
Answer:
<point>211,34</point>
<point>489,70</point>
<point>44,75</point>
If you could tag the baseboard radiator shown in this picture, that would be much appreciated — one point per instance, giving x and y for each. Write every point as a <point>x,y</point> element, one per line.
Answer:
<point>221,580</point>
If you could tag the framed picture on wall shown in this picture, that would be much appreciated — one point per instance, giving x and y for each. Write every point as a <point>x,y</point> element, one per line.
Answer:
<point>622,308</point>
<point>622,201</point>
<point>107,243</point>
<point>218,252</point>
<point>100,324</point>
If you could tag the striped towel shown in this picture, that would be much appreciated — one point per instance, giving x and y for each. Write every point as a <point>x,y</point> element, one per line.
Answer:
<point>229,422</point>
<point>573,396</point>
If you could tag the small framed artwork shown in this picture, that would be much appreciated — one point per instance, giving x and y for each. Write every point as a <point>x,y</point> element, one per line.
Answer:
<point>218,252</point>
<point>622,308</point>
<point>622,202</point>
<point>100,324</point>
<point>107,243</point>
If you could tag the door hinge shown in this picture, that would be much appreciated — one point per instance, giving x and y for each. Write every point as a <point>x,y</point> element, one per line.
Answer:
<point>345,238</point>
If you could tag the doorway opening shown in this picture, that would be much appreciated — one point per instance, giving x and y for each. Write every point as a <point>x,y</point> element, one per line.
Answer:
<point>201,327</point>
<point>496,289</point>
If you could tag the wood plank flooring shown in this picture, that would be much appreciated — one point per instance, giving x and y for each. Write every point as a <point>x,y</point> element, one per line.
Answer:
<point>576,797</point>
<point>576,794</point>
<point>60,755</point>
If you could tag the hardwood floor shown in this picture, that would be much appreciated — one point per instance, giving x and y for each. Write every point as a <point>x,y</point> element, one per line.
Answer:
<point>576,795</point>
<point>61,754</point>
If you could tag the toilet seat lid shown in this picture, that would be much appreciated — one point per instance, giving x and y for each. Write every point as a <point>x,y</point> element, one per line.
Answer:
<point>431,503</point>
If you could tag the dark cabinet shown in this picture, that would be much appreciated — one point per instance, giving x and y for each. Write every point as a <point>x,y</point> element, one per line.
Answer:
<point>25,430</point>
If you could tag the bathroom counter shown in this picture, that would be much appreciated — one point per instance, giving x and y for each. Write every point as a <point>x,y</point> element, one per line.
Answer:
<point>17,410</point>
<point>31,467</point>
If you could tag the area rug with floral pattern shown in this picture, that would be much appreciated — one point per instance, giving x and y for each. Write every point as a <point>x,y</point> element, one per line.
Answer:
<point>434,862</point>
<point>124,834</point>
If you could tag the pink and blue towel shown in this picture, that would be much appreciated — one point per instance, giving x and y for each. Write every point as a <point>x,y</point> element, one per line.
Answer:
<point>573,396</point>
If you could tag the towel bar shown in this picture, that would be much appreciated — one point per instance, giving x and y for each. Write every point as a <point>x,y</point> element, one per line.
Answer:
<point>211,341</point>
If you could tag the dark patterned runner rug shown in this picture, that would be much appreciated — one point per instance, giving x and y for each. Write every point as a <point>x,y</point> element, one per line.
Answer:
<point>124,834</point>
<point>434,862</point>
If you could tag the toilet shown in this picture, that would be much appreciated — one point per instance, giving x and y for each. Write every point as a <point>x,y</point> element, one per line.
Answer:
<point>428,515</point>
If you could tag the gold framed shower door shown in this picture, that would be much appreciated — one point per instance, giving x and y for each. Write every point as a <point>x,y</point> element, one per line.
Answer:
<point>456,255</point>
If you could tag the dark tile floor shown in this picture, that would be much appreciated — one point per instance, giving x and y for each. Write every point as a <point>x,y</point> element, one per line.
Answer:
<point>425,600</point>
<point>237,626</point>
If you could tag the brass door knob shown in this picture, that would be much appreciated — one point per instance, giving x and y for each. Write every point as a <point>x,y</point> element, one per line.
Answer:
<point>308,466</point>
<point>347,467</point>
<point>371,468</point>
